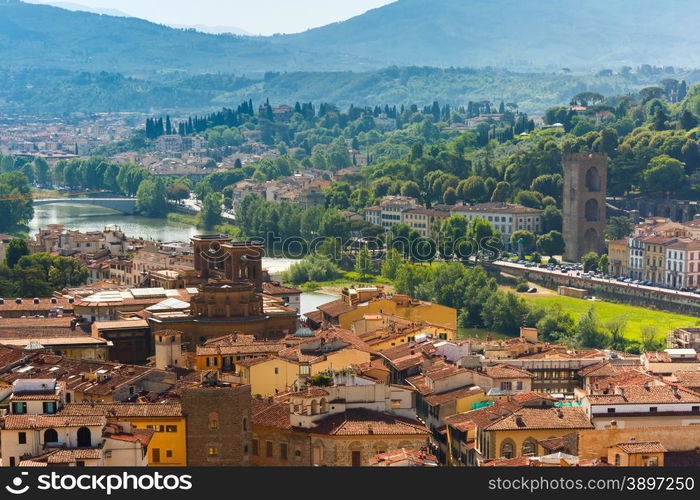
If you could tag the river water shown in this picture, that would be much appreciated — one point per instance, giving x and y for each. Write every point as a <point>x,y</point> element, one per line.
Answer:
<point>93,218</point>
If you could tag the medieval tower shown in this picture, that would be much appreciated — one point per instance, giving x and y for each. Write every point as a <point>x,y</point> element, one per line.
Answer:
<point>585,186</point>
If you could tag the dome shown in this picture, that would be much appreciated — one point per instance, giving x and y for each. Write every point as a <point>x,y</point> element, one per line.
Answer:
<point>304,332</point>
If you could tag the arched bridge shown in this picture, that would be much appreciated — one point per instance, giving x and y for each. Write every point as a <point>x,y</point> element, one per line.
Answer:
<point>124,205</point>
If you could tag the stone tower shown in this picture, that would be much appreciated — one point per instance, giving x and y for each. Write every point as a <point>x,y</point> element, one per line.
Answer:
<point>219,427</point>
<point>585,186</point>
<point>168,345</point>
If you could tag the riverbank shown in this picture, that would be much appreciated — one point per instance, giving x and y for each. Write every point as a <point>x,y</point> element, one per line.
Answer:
<point>193,220</point>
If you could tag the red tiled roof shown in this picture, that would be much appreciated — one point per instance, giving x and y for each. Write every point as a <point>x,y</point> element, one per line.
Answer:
<point>15,422</point>
<point>632,447</point>
<point>543,418</point>
<point>361,422</point>
<point>123,409</point>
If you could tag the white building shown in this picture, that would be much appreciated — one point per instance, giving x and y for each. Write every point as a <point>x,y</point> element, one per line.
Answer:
<point>388,212</point>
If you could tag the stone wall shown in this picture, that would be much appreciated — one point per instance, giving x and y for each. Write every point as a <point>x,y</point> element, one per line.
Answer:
<point>594,444</point>
<point>218,418</point>
<point>612,291</point>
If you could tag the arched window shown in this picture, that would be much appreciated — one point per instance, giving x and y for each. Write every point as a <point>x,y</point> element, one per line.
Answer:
<point>617,459</point>
<point>50,436</point>
<point>314,407</point>
<point>213,420</point>
<point>592,210</point>
<point>593,180</point>
<point>529,448</point>
<point>84,438</point>
<point>324,405</point>
<point>245,424</point>
<point>507,449</point>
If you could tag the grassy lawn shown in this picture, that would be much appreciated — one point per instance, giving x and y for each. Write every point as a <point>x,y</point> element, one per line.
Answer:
<point>636,316</point>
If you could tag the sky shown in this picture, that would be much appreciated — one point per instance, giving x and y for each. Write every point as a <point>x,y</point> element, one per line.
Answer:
<point>258,17</point>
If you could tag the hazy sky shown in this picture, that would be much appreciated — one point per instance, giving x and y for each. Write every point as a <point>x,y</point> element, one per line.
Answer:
<point>256,16</point>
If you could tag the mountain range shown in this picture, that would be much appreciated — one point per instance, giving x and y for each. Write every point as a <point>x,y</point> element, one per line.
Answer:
<point>521,35</point>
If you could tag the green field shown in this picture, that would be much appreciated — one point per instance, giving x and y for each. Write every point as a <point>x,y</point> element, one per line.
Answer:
<point>637,317</point>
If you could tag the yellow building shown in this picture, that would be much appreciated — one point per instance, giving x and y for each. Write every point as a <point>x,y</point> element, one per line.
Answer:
<point>655,257</point>
<point>384,331</point>
<point>352,307</point>
<point>619,257</point>
<point>637,454</point>
<point>329,351</point>
<point>225,353</point>
<point>518,433</point>
<point>168,447</point>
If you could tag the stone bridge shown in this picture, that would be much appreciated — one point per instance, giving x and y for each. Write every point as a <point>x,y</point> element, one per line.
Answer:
<point>124,205</point>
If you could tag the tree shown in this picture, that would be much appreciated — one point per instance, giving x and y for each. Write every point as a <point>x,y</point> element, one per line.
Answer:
<point>552,219</point>
<point>41,171</point>
<point>663,174</point>
<point>501,193</point>
<point>505,313</point>
<point>551,243</point>
<point>151,198</point>
<point>618,227</point>
<point>649,339</point>
<point>590,262</point>
<point>391,264</point>
<point>178,191</point>
<point>410,189</point>
<point>16,249</point>
<point>687,120</point>
<point>530,199</point>
<point>528,239</point>
<point>210,214</point>
<point>15,200</point>
<point>363,263</point>
<point>588,333</point>
<point>450,196</point>
<point>603,264</point>
<point>616,329</point>
<point>556,326</point>
<point>472,190</point>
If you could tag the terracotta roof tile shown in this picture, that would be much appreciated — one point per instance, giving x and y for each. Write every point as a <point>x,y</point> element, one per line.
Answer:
<point>544,418</point>
<point>642,447</point>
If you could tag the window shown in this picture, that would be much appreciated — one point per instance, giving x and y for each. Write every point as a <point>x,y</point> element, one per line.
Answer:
<point>283,451</point>
<point>695,409</point>
<point>213,420</point>
<point>213,451</point>
<point>277,371</point>
<point>49,407</point>
<point>156,428</point>
<point>297,455</point>
<point>19,408</point>
<point>22,438</point>
<point>50,436</point>
<point>155,454</point>
<point>268,449</point>
<point>507,449</point>
<point>530,448</point>
<point>519,385</point>
<point>171,428</point>
<point>611,410</point>
<point>507,386</point>
<point>304,370</point>
<point>653,409</point>
<point>356,459</point>
<point>617,459</point>
<point>255,447</point>
<point>169,453</point>
<point>80,463</point>
<point>68,397</point>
